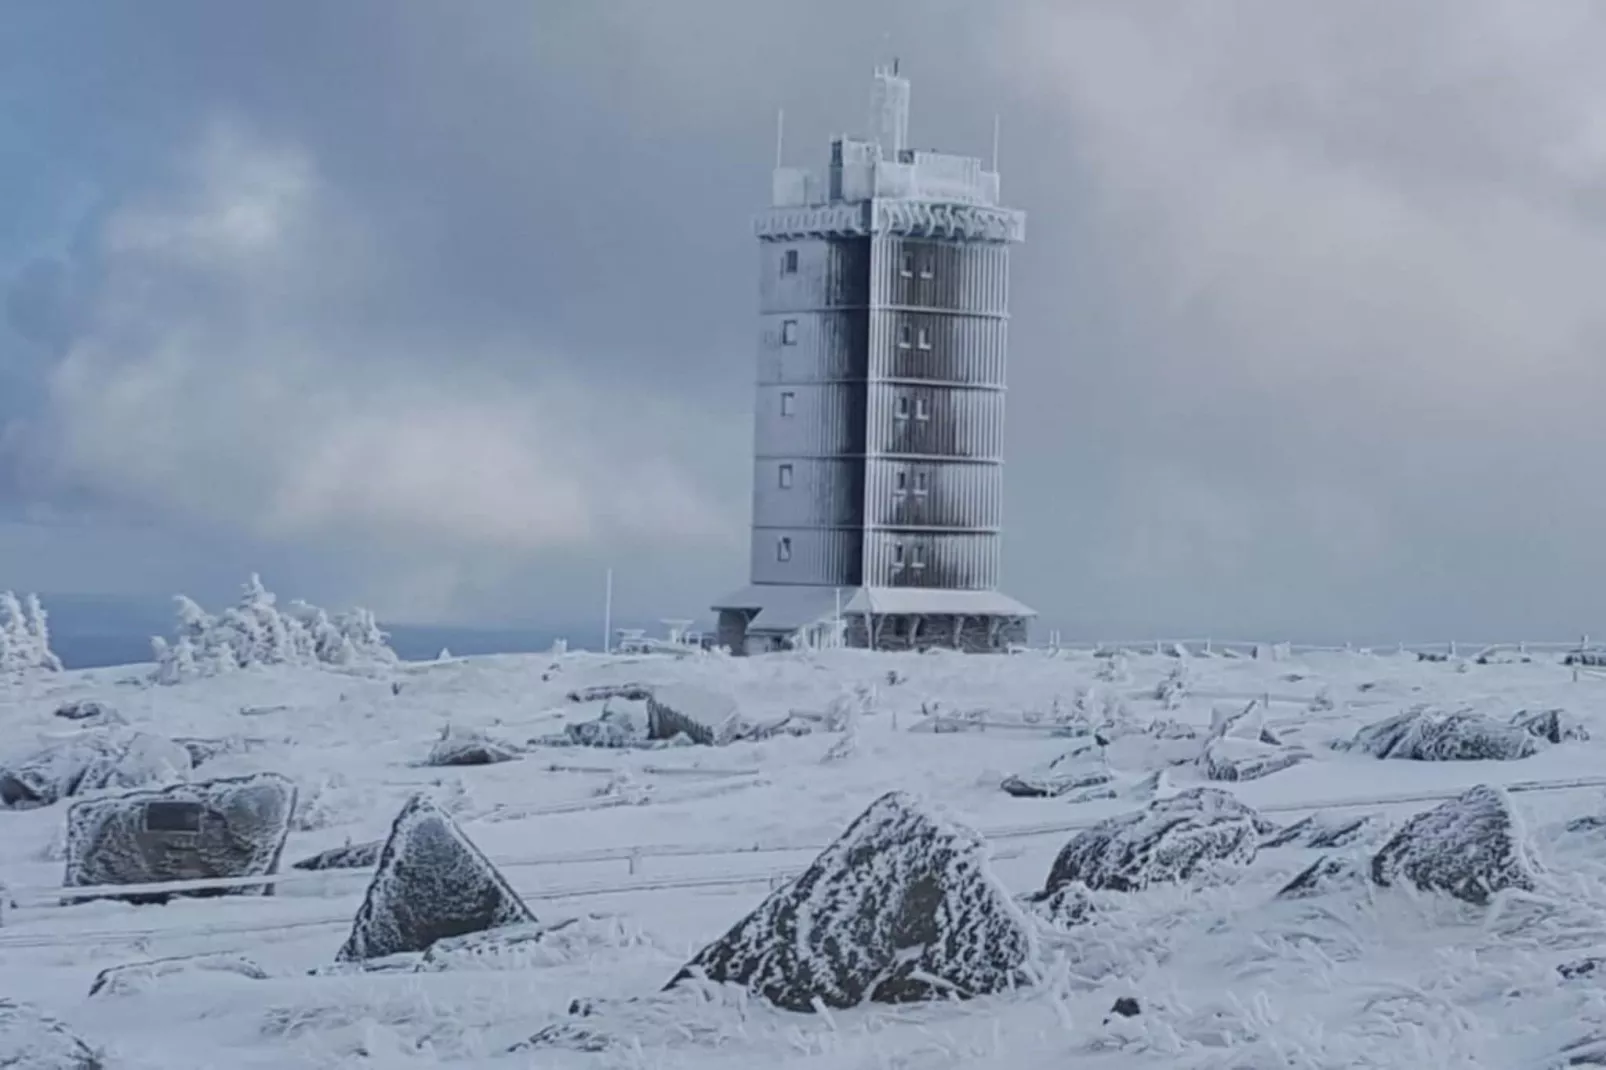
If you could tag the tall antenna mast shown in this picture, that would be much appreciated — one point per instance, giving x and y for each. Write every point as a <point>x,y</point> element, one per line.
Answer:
<point>995,143</point>
<point>780,134</point>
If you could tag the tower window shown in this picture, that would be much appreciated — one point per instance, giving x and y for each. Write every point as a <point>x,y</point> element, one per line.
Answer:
<point>920,482</point>
<point>922,410</point>
<point>901,408</point>
<point>789,332</point>
<point>928,266</point>
<point>906,336</point>
<point>788,403</point>
<point>783,476</point>
<point>917,556</point>
<point>789,262</point>
<point>923,338</point>
<point>906,266</point>
<point>783,548</point>
<point>897,554</point>
<point>901,481</point>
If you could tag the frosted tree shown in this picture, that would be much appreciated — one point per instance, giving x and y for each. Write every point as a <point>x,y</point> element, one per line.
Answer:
<point>25,636</point>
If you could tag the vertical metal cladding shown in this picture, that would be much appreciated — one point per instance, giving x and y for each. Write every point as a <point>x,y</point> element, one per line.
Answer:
<point>955,561</point>
<point>932,421</point>
<point>949,275</point>
<point>829,557</point>
<point>793,492</point>
<point>924,494</point>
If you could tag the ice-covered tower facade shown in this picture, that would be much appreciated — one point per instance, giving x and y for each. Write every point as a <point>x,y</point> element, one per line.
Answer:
<point>879,423</point>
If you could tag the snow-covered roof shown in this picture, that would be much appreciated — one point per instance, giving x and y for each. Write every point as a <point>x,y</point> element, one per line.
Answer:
<point>936,602</point>
<point>788,607</point>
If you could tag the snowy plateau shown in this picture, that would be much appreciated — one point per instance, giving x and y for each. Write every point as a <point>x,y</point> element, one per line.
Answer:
<point>833,860</point>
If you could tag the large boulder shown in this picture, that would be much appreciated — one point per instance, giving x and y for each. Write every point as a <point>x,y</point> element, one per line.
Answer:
<point>1326,831</point>
<point>1241,747</point>
<point>1470,847</point>
<point>1424,734</point>
<point>431,883</point>
<point>1552,726</point>
<point>902,907</point>
<point>234,827</point>
<point>87,709</point>
<point>1171,840</point>
<point>623,723</point>
<point>32,1040</point>
<point>105,756</point>
<point>468,747</point>
<point>706,717</point>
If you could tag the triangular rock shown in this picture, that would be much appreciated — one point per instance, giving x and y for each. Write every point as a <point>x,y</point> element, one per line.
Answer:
<point>432,882</point>
<point>902,907</point>
<point>1470,847</point>
<point>31,1039</point>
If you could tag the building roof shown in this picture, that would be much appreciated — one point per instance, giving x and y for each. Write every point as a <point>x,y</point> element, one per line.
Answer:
<point>789,607</point>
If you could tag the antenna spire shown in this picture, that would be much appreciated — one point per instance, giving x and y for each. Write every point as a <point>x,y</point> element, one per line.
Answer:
<point>995,142</point>
<point>780,135</point>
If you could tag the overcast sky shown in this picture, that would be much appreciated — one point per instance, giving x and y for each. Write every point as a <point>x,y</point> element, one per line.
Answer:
<point>442,307</point>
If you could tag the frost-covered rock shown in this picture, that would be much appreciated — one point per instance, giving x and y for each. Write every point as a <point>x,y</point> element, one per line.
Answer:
<point>1171,840</point>
<point>1084,767</point>
<point>1470,847</point>
<point>256,631</point>
<point>1065,907</point>
<point>132,977</point>
<point>1424,734</point>
<point>702,716</point>
<point>431,883</point>
<point>1241,747</point>
<point>203,750</point>
<point>32,1040</point>
<point>103,756</point>
<point>1324,830</point>
<point>463,747</point>
<point>24,636</point>
<point>623,723</point>
<point>902,907</point>
<point>599,692</point>
<point>87,709</point>
<point>1327,875</point>
<point>1553,726</point>
<point>351,856</point>
<point>233,827</point>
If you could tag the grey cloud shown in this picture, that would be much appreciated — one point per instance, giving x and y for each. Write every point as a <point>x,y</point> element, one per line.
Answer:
<point>1304,338</point>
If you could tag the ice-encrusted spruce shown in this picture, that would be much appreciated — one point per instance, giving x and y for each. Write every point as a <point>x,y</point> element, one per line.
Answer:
<point>432,882</point>
<point>902,907</point>
<point>32,1040</point>
<point>1470,847</point>
<point>1170,840</point>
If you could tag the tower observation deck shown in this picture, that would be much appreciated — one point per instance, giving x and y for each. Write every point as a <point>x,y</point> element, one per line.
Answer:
<point>878,430</point>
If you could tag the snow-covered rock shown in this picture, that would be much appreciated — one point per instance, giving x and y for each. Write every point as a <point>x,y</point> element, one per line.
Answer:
<point>623,723</point>
<point>130,978</point>
<point>24,636</point>
<point>1171,840</point>
<point>32,1040</point>
<point>103,756</point>
<point>702,716</point>
<point>1553,725</point>
<point>902,907</point>
<point>234,827</point>
<point>1065,907</point>
<point>1470,847</point>
<point>1325,830</point>
<point>256,631</point>
<point>1083,767</point>
<point>89,710</point>
<point>1424,734</point>
<point>351,856</point>
<point>1327,875</point>
<point>1241,747</point>
<point>431,883</point>
<point>467,747</point>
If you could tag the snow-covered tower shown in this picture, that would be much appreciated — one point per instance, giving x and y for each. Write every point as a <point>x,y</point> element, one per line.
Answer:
<point>878,433</point>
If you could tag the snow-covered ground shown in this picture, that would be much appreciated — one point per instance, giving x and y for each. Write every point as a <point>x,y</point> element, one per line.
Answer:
<point>659,851</point>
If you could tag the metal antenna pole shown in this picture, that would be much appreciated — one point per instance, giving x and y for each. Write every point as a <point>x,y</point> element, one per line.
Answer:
<point>607,613</point>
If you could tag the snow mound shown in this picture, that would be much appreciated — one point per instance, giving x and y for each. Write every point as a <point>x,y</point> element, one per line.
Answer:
<point>32,1040</point>
<point>255,631</point>
<point>109,756</point>
<point>1171,840</point>
<point>1423,734</point>
<point>1083,767</point>
<point>705,717</point>
<point>1470,847</point>
<point>24,636</point>
<point>463,747</point>
<point>131,978</point>
<point>1326,831</point>
<point>520,947</point>
<point>234,827</point>
<point>89,710</point>
<point>351,856</point>
<point>623,723</point>
<point>902,907</point>
<point>1553,726</point>
<point>432,883</point>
